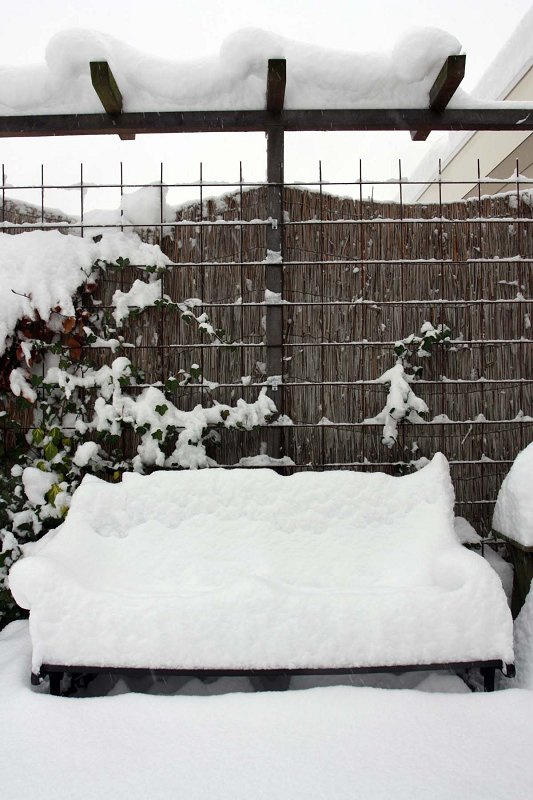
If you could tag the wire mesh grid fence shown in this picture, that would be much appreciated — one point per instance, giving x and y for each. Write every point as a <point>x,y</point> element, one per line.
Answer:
<point>358,277</point>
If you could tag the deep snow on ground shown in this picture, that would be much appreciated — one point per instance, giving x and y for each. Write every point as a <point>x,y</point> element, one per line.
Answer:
<point>338,743</point>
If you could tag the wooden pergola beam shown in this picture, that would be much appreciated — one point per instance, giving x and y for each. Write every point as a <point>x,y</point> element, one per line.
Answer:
<point>442,91</point>
<point>365,119</point>
<point>276,81</point>
<point>447,82</point>
<point>106,88</point>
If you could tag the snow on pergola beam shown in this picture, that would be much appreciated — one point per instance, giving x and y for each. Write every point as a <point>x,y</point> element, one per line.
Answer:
<point>446,84</point>
<point>274,116</point>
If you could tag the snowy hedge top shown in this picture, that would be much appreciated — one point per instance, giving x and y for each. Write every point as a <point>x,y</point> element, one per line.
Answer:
<point>233,79</point>
<point>513,514</point>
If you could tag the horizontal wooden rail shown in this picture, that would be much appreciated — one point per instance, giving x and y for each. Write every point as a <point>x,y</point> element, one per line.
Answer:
<point>366,119</point>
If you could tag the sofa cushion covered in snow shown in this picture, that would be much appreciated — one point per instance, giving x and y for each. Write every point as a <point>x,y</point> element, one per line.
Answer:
<point>238,569</point>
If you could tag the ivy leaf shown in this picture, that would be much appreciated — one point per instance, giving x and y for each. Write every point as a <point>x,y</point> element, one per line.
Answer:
<point>37,436</point>
<point>52,493</point>
<point>158,434</point>
<point>400,350</point>
<point>161,410</point>
<point>50,451</point>
<point>56,436</point>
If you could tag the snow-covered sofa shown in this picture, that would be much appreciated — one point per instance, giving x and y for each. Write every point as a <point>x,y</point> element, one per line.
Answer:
<point>246,570</point>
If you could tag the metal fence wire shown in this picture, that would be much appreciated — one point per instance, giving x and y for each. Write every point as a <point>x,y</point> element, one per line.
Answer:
<point>356,276</point>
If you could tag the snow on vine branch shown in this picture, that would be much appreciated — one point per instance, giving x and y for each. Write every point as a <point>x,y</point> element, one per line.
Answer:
<point>402,403</point>
<point>154,417</point>
<point>423,345</point>
<point>40,272</point>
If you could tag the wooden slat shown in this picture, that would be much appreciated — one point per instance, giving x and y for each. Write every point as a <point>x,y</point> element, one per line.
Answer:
<point>445,86</point>
<point>276,80</point>
<point>106,88</point>
<point>366,119</point>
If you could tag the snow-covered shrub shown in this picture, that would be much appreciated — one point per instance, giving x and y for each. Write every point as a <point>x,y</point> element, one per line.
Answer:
<point>402,403</point>
<point>63,415</point>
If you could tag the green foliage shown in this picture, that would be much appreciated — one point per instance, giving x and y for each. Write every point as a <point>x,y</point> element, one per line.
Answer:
<point>80,414</point>
<point>422,346</point>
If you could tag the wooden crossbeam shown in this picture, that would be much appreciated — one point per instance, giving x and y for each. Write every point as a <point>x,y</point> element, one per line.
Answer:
<point>365,119</point>
<point>447,82</point>
<point>276,80</point>
<point>443,89</point>
<point>106,88</point>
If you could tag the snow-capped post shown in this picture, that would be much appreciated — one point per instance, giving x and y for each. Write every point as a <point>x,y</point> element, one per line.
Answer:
<point>106,88</point>
<point>445,85</point>
<point>274,241</point>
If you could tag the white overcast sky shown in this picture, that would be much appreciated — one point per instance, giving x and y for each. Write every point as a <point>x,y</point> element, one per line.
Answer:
<point>182,29</point>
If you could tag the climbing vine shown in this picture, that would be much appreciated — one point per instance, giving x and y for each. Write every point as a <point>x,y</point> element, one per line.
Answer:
<point>64,416</point>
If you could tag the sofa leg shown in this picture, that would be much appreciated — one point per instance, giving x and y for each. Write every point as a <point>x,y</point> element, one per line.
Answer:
<point>270,681</point>
<point>489,675</point>
<point>55,683</point>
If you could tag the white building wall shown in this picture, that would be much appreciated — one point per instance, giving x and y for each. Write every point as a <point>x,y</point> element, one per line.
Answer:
<point>493,149</point>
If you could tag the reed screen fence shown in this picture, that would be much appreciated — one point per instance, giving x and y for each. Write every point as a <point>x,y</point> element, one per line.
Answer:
<point>358,275</point>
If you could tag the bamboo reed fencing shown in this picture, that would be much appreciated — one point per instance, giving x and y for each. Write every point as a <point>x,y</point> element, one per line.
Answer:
<point>358,276</point>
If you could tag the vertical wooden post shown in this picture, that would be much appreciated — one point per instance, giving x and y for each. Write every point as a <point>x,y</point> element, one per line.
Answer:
<point>274,242</point>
